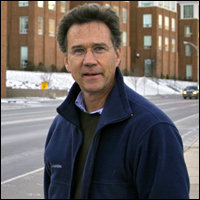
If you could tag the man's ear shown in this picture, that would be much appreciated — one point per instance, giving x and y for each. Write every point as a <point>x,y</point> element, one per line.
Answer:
<point>118,57</point>
<point>67,64</point>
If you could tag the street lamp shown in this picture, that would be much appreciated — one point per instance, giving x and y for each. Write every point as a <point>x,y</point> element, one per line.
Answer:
<point>197,48</point>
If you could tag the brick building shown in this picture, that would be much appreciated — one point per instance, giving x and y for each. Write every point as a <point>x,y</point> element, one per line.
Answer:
<point>153,35</point>
<point>32,32</point>
<point>3,47</point>
<point>153,38</point>
<point>188,31</point>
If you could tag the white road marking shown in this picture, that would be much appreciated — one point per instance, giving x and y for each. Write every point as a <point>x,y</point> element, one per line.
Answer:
<point>27,120</point>
<point>21,176</point>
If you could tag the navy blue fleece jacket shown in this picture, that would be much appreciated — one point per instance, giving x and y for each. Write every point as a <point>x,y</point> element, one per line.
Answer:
<point>136,152</point>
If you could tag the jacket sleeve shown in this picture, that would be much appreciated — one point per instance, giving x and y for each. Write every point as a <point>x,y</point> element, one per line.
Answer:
<point>47,172</point>
<point>47,180</point>
<point>161,171</point>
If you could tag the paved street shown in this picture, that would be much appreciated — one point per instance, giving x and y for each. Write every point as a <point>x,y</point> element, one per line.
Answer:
<point>24,126</point>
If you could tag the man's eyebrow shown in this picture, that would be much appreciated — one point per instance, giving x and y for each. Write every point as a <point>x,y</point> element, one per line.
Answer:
<point>76,46</point>
<point>93,45</point>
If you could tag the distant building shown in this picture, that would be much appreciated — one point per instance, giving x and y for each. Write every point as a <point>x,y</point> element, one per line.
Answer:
<point>188,30</point>
<point>3,47</point>
<point>32,32</point>
<point>153,38</point>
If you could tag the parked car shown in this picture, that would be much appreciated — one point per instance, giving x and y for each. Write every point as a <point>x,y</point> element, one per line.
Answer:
<point>191,91</point>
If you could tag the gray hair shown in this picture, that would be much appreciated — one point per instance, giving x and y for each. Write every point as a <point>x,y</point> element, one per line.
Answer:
<point>85,14</point>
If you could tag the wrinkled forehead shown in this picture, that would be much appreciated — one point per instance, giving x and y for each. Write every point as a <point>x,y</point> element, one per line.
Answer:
<point>93,32</point>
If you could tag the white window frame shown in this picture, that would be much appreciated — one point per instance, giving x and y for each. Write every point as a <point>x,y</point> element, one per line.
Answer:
<point>52,33</point>
<point>188,50</point>
<point>124,15</point>
<point>116,9</point>
<point>23,30</point>
<point>173,45</point>
<point>147,41</point>
<point>23,3</point>
<point>124,39</point>
<point>40,31</point>
<point>173,24</point>
<point>52,5</point>
<point>23,58</point>
<point>166,44</point>
<point>146,3</point>
<point>147,20</point>
<point>63,6</point>
<point>188,72</point>
<point>189,16</point>
<point>188,31</point>
<point>40,4</point>
<point>160,21</point>
<point>166,23</point>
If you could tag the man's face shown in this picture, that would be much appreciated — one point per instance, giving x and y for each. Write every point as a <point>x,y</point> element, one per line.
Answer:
<point>94,70</point>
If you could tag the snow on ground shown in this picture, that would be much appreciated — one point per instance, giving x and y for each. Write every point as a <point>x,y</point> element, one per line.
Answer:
<point>143,85</point>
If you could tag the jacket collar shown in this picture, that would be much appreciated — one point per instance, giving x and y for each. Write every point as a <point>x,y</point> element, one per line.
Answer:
<point>116,108</point>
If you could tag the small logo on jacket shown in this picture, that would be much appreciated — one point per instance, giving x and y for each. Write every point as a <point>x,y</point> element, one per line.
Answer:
<point>56,166</point>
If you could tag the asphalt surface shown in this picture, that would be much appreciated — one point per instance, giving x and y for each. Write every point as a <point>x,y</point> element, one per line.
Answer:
<point>24,127</point>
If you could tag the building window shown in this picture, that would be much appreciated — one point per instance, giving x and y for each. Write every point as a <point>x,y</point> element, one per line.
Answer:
<point>188,50</point>
<point>124,39</point>
<point>52,5</point>
<point>188,11</point>
<point>116,9</point>
<point>173,45</point>
<point>160,21</point>
<point>52,27</point>
<point>24,25</point>
<point>147,3</point>
<point>23,3</point>
<point>147,67</point>
<point>40,25</point>
<point>147,42</point>
<point>189,72</point>
<point>167,4</point>
<point>173,5</point>
<point>147,20</point>
<point>63,6</point>
<point>166,44</point>
<point>166,23</point>
<point>124,15</point>
<point>24,56</point>
<point>160,3</point>
<point>41,4</point>
<point>188,30</point>
<point>159,42</point>
<point>173,25</point>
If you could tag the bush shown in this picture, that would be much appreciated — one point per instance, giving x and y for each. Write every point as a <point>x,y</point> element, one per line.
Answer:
<point>41,67</point>
<point>63,69</point>
<point>30,66</point>
<point>53,68</point>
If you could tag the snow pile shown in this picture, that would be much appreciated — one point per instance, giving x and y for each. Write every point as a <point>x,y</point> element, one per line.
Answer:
<point>63,81</point>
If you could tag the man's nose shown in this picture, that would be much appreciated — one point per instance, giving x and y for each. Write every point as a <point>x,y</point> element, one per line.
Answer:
<point>89,58</point>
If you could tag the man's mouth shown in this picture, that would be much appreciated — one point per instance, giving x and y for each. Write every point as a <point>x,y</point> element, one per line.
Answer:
<point>88,74</point>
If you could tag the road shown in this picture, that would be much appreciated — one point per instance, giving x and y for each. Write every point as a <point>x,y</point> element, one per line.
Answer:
<point>24,128</point>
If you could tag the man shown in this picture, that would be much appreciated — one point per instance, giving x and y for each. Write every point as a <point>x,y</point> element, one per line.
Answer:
<point>107,141</point>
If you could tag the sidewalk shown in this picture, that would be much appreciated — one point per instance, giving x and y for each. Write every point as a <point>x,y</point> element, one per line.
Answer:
<point>192,161</point>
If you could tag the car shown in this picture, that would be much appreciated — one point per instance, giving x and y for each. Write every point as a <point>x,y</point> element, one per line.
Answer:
<point>191,91</point>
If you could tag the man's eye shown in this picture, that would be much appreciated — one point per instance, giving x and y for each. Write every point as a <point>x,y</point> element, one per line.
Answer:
<point>99,49</point>
<point>78,51</point>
